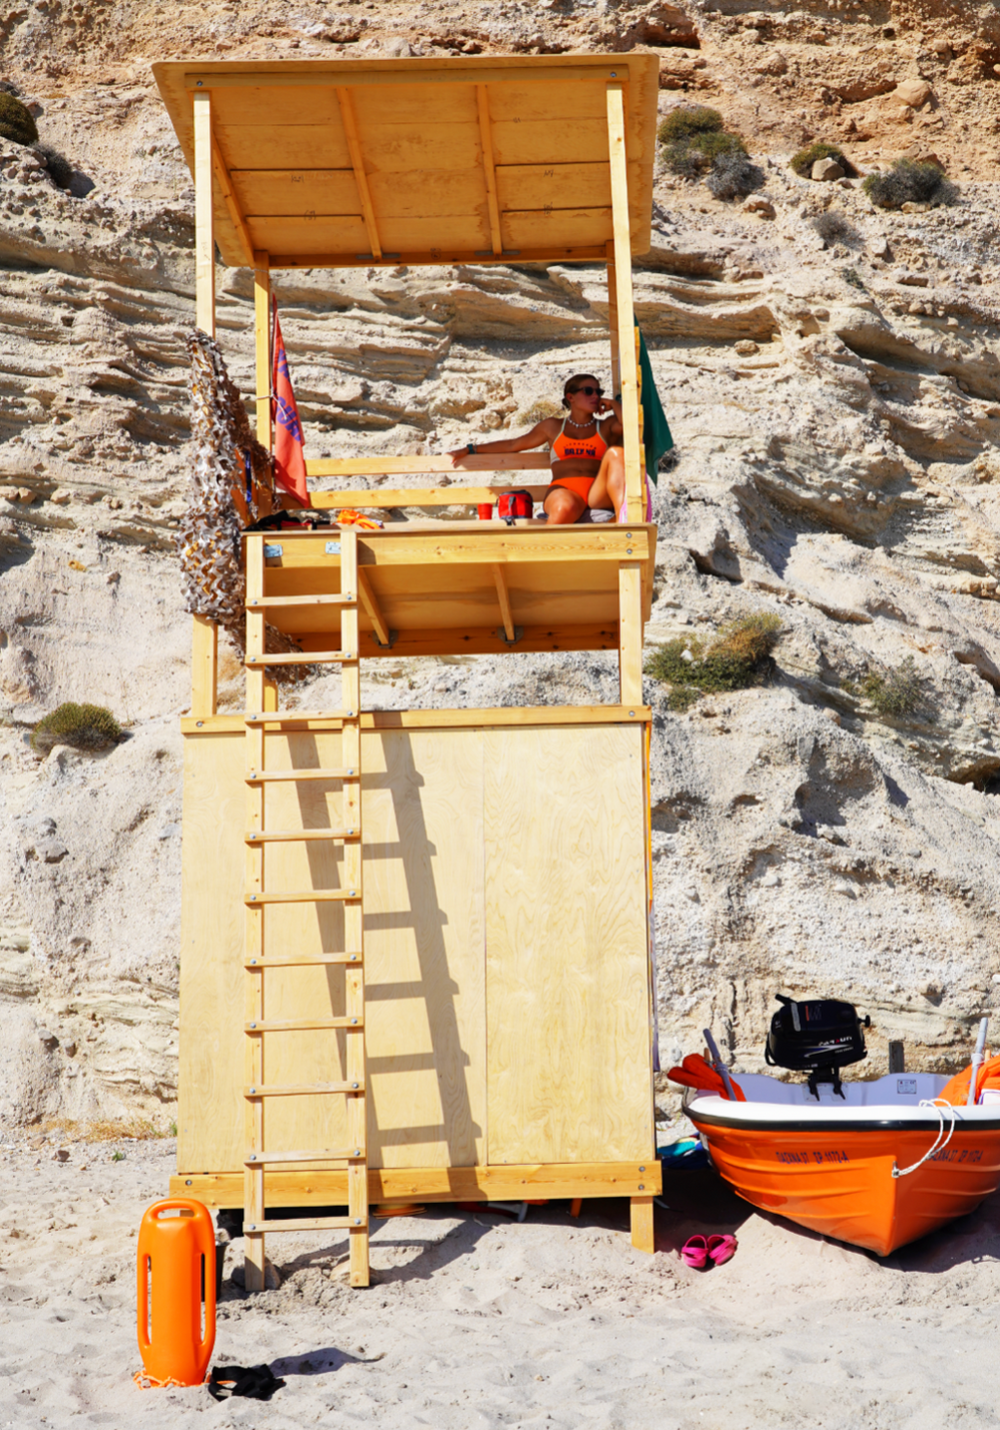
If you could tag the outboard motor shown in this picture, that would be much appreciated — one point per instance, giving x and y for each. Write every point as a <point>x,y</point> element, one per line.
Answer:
<point>819,1036</point>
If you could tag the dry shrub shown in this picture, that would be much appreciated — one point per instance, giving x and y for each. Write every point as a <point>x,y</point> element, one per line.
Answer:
<point>835,227</point>
<point>136,1129</point>
<point>908,182</point>
<point>61,171</point>
<point>734,177</point>
<point>896,691</point>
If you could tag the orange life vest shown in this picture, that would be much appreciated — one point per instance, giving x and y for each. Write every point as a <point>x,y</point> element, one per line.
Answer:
<point>697,1071</point>
<point>957,1091</point>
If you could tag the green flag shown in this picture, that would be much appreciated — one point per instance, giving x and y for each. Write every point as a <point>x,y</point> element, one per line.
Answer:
<point>655,430</point>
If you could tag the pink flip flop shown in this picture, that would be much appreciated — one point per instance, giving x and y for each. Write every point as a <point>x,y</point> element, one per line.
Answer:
<point>721,1249</point>
<point>694,1252</point>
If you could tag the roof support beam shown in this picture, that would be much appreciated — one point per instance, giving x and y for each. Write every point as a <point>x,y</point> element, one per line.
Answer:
<point>489,167</point>
<point>232,206</point>
<point>503,596</point>
<point>371,605</point>
<point>204,215</point>
<point>262,345</point>
<point>634,476</point>
<point>358,165</point>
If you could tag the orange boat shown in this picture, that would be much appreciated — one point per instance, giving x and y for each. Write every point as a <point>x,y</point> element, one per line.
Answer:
<point>867,1164</point>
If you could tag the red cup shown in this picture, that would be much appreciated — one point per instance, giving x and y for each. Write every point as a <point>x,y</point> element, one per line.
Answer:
<point>485,511</point>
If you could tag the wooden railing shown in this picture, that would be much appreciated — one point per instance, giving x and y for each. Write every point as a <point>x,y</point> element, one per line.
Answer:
<point>452,494</point>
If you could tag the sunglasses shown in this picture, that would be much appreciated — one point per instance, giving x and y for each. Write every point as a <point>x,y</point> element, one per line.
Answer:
<point>587,391</point>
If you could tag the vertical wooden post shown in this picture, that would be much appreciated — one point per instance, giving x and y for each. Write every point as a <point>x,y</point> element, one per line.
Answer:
<point>253,1177</point>
<point>262,344</point>
<point>616,367</point>
<point>205,642</point>
<point>204,216</point>
<point>635,504</point>
<point>630,633</point>
<point>204,667</point>
<point>642,1224</point>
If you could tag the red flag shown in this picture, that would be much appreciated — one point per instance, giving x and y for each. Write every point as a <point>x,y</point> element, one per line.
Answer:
<point>289,453</point>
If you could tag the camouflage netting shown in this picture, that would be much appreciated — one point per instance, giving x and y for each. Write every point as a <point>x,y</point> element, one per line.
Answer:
<point>208,539</point>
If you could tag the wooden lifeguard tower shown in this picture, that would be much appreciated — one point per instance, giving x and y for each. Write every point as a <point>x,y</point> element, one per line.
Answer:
<point>415,944</point>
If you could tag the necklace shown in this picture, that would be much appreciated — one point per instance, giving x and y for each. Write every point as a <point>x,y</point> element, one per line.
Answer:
<point>580,425</point>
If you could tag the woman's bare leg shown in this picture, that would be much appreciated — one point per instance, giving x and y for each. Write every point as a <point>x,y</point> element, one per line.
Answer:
<point>563,507</point>
<point>608,491</point>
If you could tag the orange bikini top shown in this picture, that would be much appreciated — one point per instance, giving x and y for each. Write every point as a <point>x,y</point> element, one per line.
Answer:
<point>564,447</point>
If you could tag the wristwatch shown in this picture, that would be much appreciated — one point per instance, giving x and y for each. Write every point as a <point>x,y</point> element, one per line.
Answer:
<point>472,449</point>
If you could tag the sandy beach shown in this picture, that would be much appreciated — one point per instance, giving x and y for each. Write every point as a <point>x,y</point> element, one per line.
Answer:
<point>475,1320</point>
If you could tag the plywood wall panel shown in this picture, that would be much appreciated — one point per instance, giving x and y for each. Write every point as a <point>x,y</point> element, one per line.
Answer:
<point>210,1109</point>
<point>566,955</point>
<point>424,943</point>
<point>504,883</point>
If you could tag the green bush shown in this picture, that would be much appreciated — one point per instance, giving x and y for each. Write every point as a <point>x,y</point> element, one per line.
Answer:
<point>85,727</point>
<point>740,656</point>
<point>803,161</point>
<point>896,691</point>
<point>684,124</point>
<point>907,182</point>
<point>15,120</point>
<point>696,144</point>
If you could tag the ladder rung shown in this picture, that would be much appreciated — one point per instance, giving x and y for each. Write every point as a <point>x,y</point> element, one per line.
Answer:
<point>302,1089</point>
<point>336,1154</point>
<point>254,777</point>
<point>306,896</point>
<point>289,836</point>
<point>307,1223</point>
<point>274,717</point>
<point>311,657</point>
<point>306,960</point>
<point>295,1025</point>
<point>343,599</point>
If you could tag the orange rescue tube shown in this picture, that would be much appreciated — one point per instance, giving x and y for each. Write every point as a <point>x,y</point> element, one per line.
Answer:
<point>176,1259</point>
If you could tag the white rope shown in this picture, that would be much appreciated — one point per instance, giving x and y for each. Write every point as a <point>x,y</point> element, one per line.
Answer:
<point>940,1108</point>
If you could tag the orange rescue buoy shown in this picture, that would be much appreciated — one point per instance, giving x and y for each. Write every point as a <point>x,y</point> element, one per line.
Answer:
<point>176,1269</point>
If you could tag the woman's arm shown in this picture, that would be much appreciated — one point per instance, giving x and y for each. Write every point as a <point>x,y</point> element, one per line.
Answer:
<point>615,429</point>
<point>537,437</point>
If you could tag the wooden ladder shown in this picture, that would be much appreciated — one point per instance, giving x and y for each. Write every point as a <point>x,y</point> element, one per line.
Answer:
<point>260,955</point>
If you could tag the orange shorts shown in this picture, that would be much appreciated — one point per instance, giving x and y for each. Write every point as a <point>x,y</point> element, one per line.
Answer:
<point>579,486</point>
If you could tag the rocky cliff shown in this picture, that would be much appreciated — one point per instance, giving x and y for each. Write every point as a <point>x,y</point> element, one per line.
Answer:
<point>836,405</point>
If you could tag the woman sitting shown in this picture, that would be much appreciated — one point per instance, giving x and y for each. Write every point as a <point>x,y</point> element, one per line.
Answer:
<point>588,461</point>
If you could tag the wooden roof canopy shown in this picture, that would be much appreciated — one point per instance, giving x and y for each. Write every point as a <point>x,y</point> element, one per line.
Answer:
<point>353,162</point>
